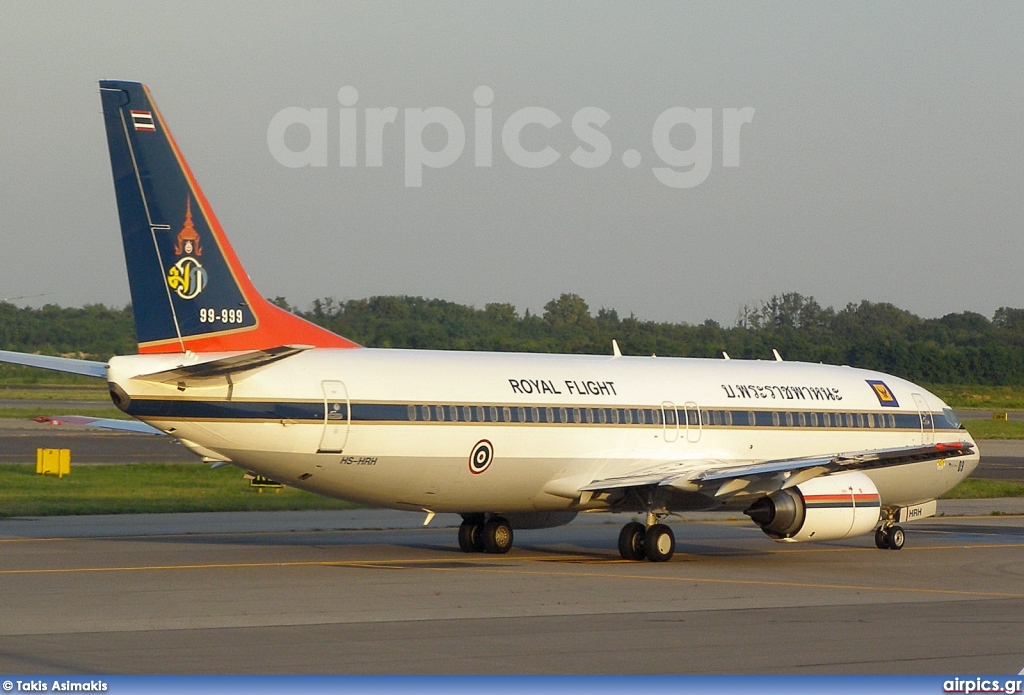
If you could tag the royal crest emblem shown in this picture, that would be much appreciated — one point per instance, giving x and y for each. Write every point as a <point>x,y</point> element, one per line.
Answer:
<point>187,277</point>
<point>884,395</point>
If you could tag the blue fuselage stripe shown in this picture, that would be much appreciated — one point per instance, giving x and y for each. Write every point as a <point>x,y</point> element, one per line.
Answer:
<point>313,411</point>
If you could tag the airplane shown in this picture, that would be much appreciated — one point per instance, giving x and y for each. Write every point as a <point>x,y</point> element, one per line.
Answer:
<point>510,441</point>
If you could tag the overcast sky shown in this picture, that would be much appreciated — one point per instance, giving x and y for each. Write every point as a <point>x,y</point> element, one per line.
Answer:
<point>884,159</point>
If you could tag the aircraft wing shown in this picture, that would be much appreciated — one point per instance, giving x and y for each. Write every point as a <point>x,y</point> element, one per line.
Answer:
<point>724,479</point>
<point>57,364</point>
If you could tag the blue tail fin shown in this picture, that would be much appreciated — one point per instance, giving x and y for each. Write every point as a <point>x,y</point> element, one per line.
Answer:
<point>189,291</point>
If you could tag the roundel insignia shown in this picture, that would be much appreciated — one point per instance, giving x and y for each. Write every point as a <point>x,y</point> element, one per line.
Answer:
<point>480,459</point>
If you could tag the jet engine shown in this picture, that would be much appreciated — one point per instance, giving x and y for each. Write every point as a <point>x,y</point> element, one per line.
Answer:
<point>826,508</point>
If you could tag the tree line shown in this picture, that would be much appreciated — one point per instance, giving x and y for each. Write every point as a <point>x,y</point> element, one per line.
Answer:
<point>963,348</point>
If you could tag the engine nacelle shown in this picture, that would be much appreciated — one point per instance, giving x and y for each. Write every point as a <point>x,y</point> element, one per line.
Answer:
<point>826,508</point>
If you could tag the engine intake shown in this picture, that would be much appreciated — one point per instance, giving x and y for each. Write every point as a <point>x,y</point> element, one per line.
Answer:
<point>822,509</point>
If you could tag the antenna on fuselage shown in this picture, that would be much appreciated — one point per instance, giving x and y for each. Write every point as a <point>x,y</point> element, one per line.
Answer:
<point>778,357</point>
<point>615,349</point>
<point>725,355</point>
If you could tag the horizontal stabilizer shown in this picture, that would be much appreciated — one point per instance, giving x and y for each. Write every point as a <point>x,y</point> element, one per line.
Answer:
<point>104,422</point>
<point>57,364</point>
<point>215,370</point>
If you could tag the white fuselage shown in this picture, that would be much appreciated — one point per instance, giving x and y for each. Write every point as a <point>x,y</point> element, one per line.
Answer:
<point>398,428</point>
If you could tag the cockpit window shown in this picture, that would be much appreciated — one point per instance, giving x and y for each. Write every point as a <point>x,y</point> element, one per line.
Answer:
<point>952,418</point>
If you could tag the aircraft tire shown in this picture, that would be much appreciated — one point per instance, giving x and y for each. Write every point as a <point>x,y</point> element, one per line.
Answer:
<point>896,538</point>
<point>497,536</point>
<point>631,541</point>
<point>881,539</point>
<point>659,543</point>
<point>471,537</point>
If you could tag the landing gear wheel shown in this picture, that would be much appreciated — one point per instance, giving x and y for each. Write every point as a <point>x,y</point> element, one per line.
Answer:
<point>631,541</point>
<point>881,539</point>
<point>471,537</point>
<point>497,536</point>
<point>896,538</point>
<point>659,543</point>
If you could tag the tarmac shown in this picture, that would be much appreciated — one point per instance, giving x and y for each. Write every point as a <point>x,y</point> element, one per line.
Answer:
<point>376,592</point>
<point>368,591</point>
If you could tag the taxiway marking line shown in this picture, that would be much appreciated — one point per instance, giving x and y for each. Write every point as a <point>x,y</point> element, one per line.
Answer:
<point>747,582</point>
<point>420,564</point>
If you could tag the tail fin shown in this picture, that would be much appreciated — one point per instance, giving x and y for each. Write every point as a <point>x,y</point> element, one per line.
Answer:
<point>189,291</point>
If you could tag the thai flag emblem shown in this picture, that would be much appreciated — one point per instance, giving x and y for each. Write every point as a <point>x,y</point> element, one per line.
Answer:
<point>143,120</point>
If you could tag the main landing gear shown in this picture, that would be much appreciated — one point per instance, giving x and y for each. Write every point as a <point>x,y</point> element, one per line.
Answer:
<point>654,542</point>
<point>889,537</point>
<point>477,534</point>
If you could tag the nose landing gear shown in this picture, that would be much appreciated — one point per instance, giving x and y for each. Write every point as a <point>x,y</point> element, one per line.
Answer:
<point>889,537</point>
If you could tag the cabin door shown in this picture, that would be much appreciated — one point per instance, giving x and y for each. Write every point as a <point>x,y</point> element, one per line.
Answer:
<point>694,426</point>
<point>669,421</point>
<point>337,418</point>
<point>927,423</point>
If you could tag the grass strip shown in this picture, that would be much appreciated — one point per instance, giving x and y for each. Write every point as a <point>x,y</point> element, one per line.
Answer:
<point>995,429</point>
<point>53,393</point>
<point>981,397</point>
<point>979,488</point>
<point>190,487</point>
<point>144,488</point>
